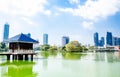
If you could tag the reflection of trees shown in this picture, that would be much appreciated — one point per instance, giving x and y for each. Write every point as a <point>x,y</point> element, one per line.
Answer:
<point>46,54</point>
<point>72,56</point>
<point>19,69</point>
<point>45,63</point>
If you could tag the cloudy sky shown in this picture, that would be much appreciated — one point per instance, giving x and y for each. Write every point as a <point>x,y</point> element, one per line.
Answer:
<point>78,19</point>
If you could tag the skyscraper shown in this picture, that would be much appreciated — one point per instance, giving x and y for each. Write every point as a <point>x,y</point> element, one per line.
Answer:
<point>45,38</point>
<point>6,32</point>
<point>109,39</point>
<point>96,39</point>
<point>102,41</point>
<point>118,41</point>
<point>65,40</point>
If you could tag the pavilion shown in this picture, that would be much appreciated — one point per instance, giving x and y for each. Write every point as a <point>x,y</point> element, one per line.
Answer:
<point>21,42</point>
<point>21,46</point>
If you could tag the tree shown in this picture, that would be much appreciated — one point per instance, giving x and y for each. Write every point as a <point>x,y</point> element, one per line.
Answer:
<point>73,46</point>
<point>84,48</point>
<point>3,47</point>
<point>45,47</point>
<point>53,48</point>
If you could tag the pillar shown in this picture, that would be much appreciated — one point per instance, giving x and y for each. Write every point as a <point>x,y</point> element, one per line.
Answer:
<point>20,57</point>
<point>26,57</point>
<point>15,57</point>
<point>32,57</point>
<point>8,57</point>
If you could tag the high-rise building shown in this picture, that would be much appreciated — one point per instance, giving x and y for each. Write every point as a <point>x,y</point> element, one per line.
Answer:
<point>96,39</point>
<point>119,41</point>
<point>109,39</point>
<point>102,42</point>
<point>116,41</point>
<point>65,40</point>
<point>6,32</point>
<point>45,38</point>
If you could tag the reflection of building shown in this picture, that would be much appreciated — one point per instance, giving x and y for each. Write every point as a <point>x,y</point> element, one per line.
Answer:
<point>6,32</point>
<point>109,39</point>
<point>45,38</point>
<point>65,40</point>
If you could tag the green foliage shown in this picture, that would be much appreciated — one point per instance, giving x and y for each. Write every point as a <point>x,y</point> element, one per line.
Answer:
<point>45,47</point>
<point>3,47</point>
<point>84,48</point>
<point>72,56</point>
<point>92,48</point>
<point>53,48</point>
<point>46,54</point>
<point>74,46</point>
<point>48,50</point>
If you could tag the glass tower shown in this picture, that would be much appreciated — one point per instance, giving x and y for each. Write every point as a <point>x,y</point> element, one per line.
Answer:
<point>45,38</point>
<point>96,39</point>
<point>6,32</point>
<point>109,39</point>
<point>102,41</point>
<point>65,40</point>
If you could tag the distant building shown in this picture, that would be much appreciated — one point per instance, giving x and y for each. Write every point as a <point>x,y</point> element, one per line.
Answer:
<point>116,41</point>
<point>96,39</point>
<point>119,41</point>
<point>45,38</point>
<point>65,40</point>
<point>109,39</point>
<point>6,32</point>
<point>102,42</point>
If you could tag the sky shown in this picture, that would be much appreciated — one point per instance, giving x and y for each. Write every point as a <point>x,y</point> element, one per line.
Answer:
<point>78,19</point>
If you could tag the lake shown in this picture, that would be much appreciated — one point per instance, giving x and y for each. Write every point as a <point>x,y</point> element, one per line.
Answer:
<point>64,65</point>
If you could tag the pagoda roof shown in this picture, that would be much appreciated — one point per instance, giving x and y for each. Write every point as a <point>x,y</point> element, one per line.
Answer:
<point>22,38</point>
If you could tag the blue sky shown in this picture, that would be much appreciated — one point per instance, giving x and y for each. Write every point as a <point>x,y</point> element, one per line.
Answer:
<point>78,19</point>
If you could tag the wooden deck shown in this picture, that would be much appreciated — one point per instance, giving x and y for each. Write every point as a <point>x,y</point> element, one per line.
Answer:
<point>19,55</point>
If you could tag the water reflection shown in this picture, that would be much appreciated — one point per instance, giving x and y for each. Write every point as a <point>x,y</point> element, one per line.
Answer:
<point>46,54</point>
<point>108,57</point>
<point>64,65</point>
<point>72,56</point>
<point>18,69</point>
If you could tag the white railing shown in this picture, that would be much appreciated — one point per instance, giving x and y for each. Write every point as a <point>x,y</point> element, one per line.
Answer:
<point>21,51</point>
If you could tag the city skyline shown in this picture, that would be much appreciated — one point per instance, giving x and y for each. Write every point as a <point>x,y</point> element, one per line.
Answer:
<point>78,19</point>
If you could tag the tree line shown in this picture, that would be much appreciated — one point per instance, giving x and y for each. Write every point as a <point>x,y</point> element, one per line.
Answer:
<point>73,46</point>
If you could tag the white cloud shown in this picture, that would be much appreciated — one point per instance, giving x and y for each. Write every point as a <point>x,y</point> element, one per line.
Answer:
<point>88,25</point>
<point>95,10</point>
<point>74,1</point>
<point>23,7</point>
<point>28,20</point>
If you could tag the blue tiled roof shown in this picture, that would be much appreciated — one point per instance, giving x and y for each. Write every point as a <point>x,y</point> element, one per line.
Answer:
<point>22,38</point>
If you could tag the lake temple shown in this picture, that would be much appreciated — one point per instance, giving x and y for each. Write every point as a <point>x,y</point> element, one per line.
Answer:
<point>20,47</point>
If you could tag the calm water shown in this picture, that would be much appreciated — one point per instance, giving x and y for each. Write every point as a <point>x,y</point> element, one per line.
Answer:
<point>64,65</point>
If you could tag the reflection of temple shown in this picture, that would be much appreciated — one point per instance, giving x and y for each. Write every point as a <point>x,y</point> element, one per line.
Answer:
<point>19,69</point>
